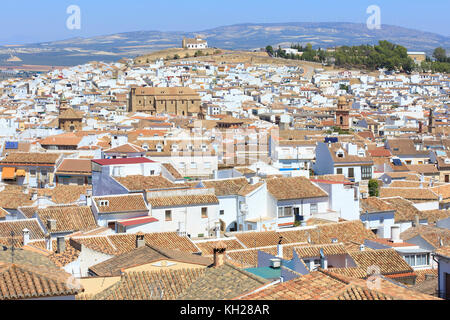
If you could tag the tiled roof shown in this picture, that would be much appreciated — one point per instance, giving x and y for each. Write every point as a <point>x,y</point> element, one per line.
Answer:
<point>326,285</point>
<point>30,158</point>
<point>126,148</point>
<point>324,233</point>
<point>314,250</point>
<point>139,182</point>
<point>65,194</point>
<point>121,243</point>
<point>75,166</point>
<point>148,285</point>
<point>431,234</point>
<point>404,209</point>
<point>23,256</point>
<point>294,188</point>
<point>121,203</point>
<point>444,251</point>
<point>14,198</point>
<point>26,281</point>
<point>206,247</point>
<point>423,168</point>
<point>145,255</point>
<point>69,255</point>
<point>388,260</point>
<point>174,201</point>
<point>434,215</point>
<point>69,113</point>
<point>174,172</point>
<point>226,187</point>
<point>443,190</point>
<point>221,283</point>
<point>374,205</point>
<point>353,272</point>
<point>412,194</point>
<point>17,227</point>
<point>68,218</point>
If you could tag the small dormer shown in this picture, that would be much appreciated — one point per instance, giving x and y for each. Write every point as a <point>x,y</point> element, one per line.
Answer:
<point>340,153</point>
<point>190,147</point>
<point>104,203</point>
<point>174,148</point>
<point>361,153</point>
<point>159,148</point>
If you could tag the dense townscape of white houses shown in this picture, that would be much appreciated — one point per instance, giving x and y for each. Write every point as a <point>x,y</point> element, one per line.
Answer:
<point>247,181</point>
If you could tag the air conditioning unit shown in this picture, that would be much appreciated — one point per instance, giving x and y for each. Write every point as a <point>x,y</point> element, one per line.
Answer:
<point>275,263</point>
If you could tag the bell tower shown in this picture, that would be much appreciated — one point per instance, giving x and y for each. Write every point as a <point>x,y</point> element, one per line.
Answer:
<point>343,114</point>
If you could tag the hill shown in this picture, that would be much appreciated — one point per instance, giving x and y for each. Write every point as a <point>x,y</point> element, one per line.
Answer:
<point>236,37</point>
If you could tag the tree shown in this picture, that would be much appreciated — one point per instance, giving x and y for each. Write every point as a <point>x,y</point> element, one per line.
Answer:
<point>269,50</point>
<point>374,188</point>
<point>176,57</point>
<point>440,55</point>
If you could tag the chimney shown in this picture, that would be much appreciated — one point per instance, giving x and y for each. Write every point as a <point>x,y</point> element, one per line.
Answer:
<point>280,251</point>
<point>26,236</point>
<point>395,234</point>
<point>416,221</point>
<point>51,224</point>
<point>323,260</point>
<point>219,254</point>
<point>140,240</point>
<point>61,244</point>
<point>48,242</point>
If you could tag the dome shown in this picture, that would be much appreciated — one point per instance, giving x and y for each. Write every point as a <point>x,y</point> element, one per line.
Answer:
<point>342,100</point>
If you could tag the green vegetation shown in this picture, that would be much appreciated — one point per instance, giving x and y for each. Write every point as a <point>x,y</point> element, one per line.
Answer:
<point>338,130</point>
<point>442,63</point>
<point>374,190</point>
<point>384,55</point>
<point>343,87</point>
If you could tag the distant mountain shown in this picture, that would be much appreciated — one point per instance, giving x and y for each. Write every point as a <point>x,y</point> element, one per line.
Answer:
<point>239,37</point>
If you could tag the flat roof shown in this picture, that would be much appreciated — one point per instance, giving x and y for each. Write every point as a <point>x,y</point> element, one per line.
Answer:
<point>108,162</point>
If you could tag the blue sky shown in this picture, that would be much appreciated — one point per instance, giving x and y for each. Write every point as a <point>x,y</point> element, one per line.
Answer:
<point>26,21</point>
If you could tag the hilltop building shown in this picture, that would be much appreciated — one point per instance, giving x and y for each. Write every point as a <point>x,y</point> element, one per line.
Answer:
<point>194,43</point>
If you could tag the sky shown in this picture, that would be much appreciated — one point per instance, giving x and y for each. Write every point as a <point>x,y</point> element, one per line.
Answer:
<point>25,21</point>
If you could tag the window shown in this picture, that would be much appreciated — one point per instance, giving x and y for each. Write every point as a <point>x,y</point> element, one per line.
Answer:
<point>313,208</point>
<point>207,165</point>
<point>32,172</point>
<point>410,260</point>
<point>351,172</point>
<point>152,172</point>
<point>284,212</point>
<point>422,259</point>
<point>168,215</point>
<point>339,171</point>
<point>181,165</point>
<point>44,172</point>
<point>366,173</point>
<point>204,213</point>
<point>222,212</point>
<point>193,165</point>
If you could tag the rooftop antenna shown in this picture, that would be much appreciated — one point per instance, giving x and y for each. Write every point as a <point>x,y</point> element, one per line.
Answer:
<point>12,247</point>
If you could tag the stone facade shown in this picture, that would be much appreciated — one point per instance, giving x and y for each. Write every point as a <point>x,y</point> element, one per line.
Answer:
<point>179,100</point>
